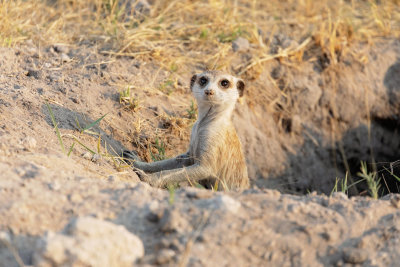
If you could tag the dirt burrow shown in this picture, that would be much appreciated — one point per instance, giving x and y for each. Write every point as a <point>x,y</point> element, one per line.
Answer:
<point>325,120</point>
<point>296,144</point>
<point>193,226</point>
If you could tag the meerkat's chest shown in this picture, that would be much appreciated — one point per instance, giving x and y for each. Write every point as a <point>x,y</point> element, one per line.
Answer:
<point>205,139</point>
<point>199,141</point>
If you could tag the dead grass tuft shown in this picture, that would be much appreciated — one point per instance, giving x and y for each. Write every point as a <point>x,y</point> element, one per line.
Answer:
<point>202,31</point>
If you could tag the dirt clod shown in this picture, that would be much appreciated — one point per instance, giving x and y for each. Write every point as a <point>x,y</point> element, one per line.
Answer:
<point>355,255</point>
<point>89,242</point>
<point>29,143</point>
<point>240,44</point>
<point>37,74</point>
<point>172,221</point>
<point>164,256</point>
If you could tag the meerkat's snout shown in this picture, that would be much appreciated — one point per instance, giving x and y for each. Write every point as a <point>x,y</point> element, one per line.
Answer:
<point>209,92</point>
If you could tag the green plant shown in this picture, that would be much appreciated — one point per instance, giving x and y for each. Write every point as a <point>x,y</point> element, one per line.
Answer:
<point>167,86</point>
<point>76,140</point>
<point>191,111</point>
<point>391,172</point>
<point>129,101</point>
<point>341,185</point>
<point>230,36</point>
<point>372,181</point>
<point>53,120</point>
<point>204,34</point>
<point>171,191</point>
<point>173,67</point>
<point>160,146</point>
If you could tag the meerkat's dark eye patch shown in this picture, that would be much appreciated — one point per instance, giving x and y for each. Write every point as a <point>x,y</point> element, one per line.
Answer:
<point>192,81</point>
<point>224,83</point>
<point>203,81</point>
<point>240,86</point>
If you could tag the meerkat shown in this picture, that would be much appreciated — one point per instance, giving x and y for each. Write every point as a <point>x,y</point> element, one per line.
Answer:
<point>215,153</point>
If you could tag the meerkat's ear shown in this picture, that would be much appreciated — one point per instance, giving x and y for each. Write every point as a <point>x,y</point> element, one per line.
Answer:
<point>192,81</point>
<point>240,87</point>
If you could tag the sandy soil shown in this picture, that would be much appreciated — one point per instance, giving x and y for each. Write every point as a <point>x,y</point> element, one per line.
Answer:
<point>350,110</point>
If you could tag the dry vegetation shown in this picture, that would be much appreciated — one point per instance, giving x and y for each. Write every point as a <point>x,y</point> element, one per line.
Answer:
<point>202,31</point>
<point>318,118</point>
<point>182,36</point>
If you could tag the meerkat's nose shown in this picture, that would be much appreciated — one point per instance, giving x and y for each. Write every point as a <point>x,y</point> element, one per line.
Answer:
<point>209,92</point>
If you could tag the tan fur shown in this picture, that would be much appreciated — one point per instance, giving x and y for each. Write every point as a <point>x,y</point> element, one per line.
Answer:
<point>215,152</point>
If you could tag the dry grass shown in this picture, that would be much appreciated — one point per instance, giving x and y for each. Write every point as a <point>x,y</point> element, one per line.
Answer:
<point>201,31</point>
<point>187,35</point>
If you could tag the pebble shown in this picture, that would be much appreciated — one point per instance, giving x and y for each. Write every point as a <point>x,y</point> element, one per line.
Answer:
<point>155,213</point>
<point>4,236</point>
<point>339,195</point>
<point>65,58</point>
<point>112,178</point>
<point>140,11</point>
<point>28,171</point>
<point>395,201</point>
<point>165,256</point>
<point>87,155</point>
<point>37,74</point>
<point>198,193</point>
<point>75,198</point>
<point>54,186</point>
<point>29,143</point>
<point>96,157</point>
<point>60,48</point>
<point>221,202</point>
<point>172,221</point>
<point>355,255</point>
<point>240,44</point>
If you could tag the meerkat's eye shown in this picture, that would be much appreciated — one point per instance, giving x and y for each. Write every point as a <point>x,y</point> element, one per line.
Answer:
<point>203,81</point>
<point>224,83</point>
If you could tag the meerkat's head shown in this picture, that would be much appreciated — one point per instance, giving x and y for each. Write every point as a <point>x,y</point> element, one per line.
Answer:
<point>215,88</point>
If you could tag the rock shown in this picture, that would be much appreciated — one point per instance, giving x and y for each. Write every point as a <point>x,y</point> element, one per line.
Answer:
<point>165,256</point>
<point>28,171</point>
<point>394,199</point>
<point>280,41</point>
<point>192,192</point>
<point>87,155</point>
<point>339,195</point>
<point>5,237</point>
<point>172,221</point>
<point>88,241</point>
<point>176,245</point>
<point>65,58</point>
<point>140,11</point>
<point>155,213</point>
<point>96,157</point>
<point>53,77</point>
<point>240,44</point>
<point>75,198</point>
<point>29,143</point>
<point>55,186</point>
<point>112,178</point>
<point>355,255</point>
<point>37,74</point>
<point>61,48</point>
<point>221,202</point>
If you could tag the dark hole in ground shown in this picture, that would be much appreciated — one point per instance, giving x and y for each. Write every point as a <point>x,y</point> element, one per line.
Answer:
<point>380,152</point>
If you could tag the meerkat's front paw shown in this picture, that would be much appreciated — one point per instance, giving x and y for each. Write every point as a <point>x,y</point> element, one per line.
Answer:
<point>130,155</point>
<point>147,178</point>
